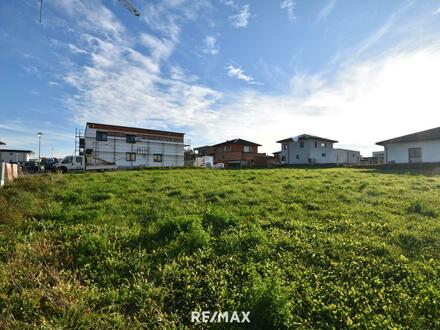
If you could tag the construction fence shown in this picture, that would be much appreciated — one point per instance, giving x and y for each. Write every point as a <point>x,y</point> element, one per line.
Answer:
<point>8,173</point>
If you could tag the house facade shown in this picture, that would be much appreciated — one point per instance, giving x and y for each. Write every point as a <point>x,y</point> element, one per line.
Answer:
<point>104,144</point>
<point>14,155</point>
<point>235,153</point>
<point>420,147</point>
<point>310,149</point>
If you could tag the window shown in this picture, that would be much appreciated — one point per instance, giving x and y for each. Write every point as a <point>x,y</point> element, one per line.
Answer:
<point>101,136</point>
<point>285,146</point>
<point>67,160</point>
<point>130,156</point>
<point>283,158</point>
<point>301,144</point>
<point>316,144</point>
<point>228,148</point>
<point>157,158</point>
<point>323,145</point>
<point>247,149</point>
<point>129,138</point>
<point>323,154</point>
<point>297,156</point>
<point>78,159</point>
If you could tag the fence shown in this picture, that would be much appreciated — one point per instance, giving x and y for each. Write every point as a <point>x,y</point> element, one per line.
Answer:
<point>8,173</point>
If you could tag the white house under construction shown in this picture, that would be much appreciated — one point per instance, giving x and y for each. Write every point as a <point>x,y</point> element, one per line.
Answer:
<point>131,147</point>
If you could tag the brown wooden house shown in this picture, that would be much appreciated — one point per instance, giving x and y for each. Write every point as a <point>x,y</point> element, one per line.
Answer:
<point>236,153</point>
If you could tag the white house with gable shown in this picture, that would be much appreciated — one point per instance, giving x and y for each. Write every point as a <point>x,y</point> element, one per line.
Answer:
<point>311,149</point>
<point>420,147</point>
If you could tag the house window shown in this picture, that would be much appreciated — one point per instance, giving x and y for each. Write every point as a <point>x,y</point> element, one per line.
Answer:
<point>323,145</point>
<point>323,154</point>
<point>101,136</point>
<point>247,149</point>
<point>283,158</point>
<point>129,138</point>
<point>316,144</point>
<point>157,158</point>
<point>228,148</point>
<point>301,144</point>
<point>297,156</point>
<point>130,156</point>
<point>285,146</point>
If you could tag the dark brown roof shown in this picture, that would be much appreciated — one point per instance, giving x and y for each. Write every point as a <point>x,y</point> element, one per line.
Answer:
<point>17,150</point>
<point>2,143</point>
<point>132,129</point>
<point>238,141</point>
<point>430,134</point>
<point>202,147</point>
<point>303,137</point>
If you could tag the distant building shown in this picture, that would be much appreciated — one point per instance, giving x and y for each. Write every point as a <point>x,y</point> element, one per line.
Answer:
<point>378,157</point>
<point>204,151</point>
<point>14,155</point>
<point>2,143</point>
<point>131,147</point>
<point>234,153</point>
<point>420,147</point>
<point>311,149</point>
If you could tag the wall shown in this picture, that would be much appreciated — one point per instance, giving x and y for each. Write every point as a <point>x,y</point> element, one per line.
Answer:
<point>398,152</point>
<point>8,173</point>
<point>309,151</point>
<point>5,156</point>
<point>116,147</point>
<point>345,156</point>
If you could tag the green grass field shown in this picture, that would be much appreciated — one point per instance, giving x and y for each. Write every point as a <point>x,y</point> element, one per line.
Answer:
<point>318,248</point>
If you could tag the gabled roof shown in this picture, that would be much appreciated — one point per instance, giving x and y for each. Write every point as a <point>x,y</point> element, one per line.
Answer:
<point>17,150</point>
<point>127,129</point>
<point>430,134</point>
<point>303,137</point>
<point>237,141</point>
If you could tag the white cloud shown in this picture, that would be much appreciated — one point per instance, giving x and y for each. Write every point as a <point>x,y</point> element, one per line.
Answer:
<point>237,72</point>
<point>241,19</point>
<point>326,10</point>
<point>437,12</point>
<point>289,5</point>
<point>210,45</point>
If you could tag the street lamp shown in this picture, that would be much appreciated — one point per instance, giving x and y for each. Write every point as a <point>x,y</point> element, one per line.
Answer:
<point>39,134</point>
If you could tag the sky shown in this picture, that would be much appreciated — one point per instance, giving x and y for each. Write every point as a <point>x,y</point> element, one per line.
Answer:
<point>263,70</point>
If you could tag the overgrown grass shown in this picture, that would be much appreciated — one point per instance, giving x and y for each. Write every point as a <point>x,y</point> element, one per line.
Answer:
<point>299,248</point>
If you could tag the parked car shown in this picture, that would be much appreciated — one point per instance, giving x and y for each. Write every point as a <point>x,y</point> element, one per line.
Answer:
<point>48,164</point>
<point>30,167</point>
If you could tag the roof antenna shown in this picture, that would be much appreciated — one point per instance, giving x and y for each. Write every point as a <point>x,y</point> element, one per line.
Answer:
<point>41,9</point>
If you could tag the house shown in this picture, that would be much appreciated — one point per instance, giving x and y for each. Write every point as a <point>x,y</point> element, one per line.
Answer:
<point>378,157</point>
<point>311,149</point>
<point>420,147</point>
<point>235,153</point>
<point>346,156</point>
<point>2,143</point>
<point>204,151</point>
<point>14,155</point>
<point>131,147</point>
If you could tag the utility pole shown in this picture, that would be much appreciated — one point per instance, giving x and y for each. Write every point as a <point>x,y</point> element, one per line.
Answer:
<point>39,134</point>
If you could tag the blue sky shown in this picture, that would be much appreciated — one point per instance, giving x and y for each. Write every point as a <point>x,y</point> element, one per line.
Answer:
<point>354,71</point>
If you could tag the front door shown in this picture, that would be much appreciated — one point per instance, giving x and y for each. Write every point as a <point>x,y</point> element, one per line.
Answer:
<point>415,155</point>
